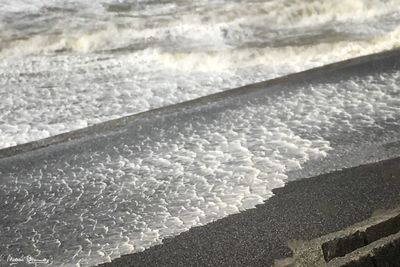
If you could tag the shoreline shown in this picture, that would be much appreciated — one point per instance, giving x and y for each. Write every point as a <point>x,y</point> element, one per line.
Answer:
<point>99,175</point>
<point>368,63</point>
<point>301,210</point>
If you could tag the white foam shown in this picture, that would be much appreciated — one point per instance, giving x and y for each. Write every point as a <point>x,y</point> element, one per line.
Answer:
<point>212,25</point>
<point>146,189</point>
<point>62,93</point>
<point>115,64</point>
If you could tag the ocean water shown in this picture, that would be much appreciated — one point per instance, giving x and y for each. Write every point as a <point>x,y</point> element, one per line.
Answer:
<point>65,65</point>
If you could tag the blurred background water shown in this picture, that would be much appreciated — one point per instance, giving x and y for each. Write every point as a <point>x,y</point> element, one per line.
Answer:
<point>65,65</point>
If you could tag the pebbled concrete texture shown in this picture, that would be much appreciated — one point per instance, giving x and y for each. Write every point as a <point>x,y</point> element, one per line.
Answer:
<point>302,210</point>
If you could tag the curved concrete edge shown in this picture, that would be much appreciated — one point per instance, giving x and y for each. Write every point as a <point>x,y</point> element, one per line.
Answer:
<point>112,125</point>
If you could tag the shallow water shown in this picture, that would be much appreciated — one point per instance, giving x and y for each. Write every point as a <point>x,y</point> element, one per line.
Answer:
<point>85,202</point>
<point>65,65</point>
<point>69,64</point>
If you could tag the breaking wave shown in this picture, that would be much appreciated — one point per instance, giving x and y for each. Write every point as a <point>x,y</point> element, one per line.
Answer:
<point>210,27</point>
<point>69,64</point>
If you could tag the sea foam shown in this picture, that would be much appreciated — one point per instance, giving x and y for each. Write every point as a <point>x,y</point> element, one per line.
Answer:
<point>137,187</point>
<point>66,65</point>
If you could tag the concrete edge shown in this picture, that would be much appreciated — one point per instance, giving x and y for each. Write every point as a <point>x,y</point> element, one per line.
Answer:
<point>364,256</point>
<point>308,253</point>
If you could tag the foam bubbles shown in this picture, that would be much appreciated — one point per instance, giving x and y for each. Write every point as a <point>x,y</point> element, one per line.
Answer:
<point>138,187</point>
<point>72,64</point>
<point>101,60</point>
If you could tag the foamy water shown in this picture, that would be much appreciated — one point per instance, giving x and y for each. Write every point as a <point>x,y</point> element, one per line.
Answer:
<point>81,204</point>
<point>65,65</point>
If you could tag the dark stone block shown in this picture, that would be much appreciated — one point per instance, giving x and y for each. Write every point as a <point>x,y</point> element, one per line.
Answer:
<point>339,247</point>
<point>388,255</point>
<point>382,229</point>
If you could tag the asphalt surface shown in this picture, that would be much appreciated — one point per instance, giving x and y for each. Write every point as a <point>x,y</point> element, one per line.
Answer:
<point>302,210</point>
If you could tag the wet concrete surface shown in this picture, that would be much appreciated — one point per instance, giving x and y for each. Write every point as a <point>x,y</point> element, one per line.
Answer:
<point>302,210</point>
